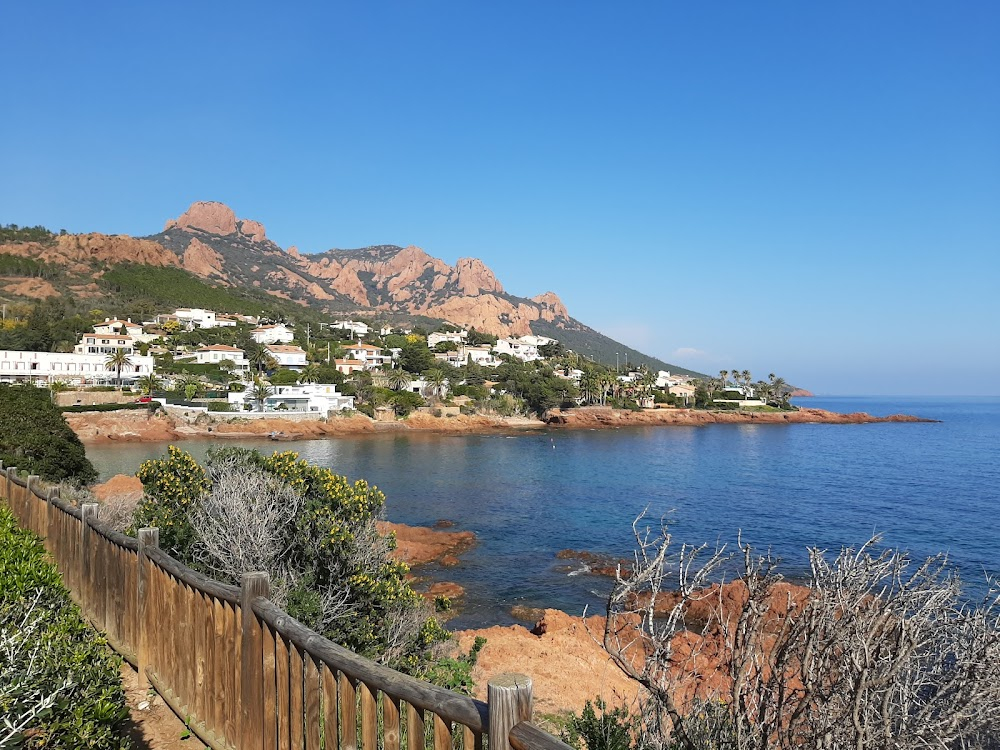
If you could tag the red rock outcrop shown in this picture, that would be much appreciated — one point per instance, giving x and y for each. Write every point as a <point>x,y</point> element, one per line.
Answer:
<point>208,216</point>
<point>34,288</point>
<point>550,301</point>
<point>598,416</point>
<point>77,251</point>
<point>202,260</point>
<point>252,229</point>
<point>473,277</point>
<point>418,545</point>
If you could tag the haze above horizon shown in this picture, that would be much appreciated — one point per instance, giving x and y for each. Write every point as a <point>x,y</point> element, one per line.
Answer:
<point>807,190</point>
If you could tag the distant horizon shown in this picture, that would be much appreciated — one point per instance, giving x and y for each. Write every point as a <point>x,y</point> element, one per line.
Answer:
<point>808,190</point>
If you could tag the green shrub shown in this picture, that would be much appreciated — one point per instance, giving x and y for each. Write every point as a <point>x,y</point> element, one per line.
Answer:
<point>50,655</point>
<point>34,436</point>
<point>609,730</point>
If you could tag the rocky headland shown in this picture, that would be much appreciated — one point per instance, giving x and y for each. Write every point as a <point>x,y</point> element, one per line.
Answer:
<point>176,424</point>
<point>593,417</point>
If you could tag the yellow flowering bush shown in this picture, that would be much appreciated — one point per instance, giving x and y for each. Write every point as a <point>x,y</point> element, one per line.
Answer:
<point>171,485</point>
<point>332,548</point>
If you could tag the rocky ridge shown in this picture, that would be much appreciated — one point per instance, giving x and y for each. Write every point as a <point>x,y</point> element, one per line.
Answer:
<point>210,241</point>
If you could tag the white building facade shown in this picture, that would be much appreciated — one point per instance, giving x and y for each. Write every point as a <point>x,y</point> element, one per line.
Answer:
<point>291,357</point>
<point>274,334</point>
<point>74,368</point>
<point>218,353</point>
<point>321,398</point>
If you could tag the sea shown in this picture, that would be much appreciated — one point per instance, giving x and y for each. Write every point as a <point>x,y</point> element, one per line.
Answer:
<point>927,488</point>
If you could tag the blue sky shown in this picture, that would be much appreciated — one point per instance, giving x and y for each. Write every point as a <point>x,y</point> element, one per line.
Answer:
<point>800,188</point>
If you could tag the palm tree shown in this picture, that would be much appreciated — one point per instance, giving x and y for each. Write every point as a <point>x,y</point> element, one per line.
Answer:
<point>780,391</point>
<point>723,377</point>
<point>117,362</point>
<point>437,381</point>
<point>399,379</point>
<point>747,378</point>
<point>260,391</point>
<point>310,373</point>
<point>259,357</point>
<point>149,383</point>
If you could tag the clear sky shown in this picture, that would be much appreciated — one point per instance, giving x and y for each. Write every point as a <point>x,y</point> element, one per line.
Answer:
<point>811,189</point>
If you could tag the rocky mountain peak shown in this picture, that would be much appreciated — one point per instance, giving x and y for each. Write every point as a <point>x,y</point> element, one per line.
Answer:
<point>216,218</point>
<point>473,277</point>
<point>551,302</point>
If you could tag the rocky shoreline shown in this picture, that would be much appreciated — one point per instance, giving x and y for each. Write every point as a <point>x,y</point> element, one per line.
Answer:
<point>140,426</point>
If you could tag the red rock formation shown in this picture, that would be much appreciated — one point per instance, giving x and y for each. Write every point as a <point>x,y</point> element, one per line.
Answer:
<point>253,229</point>
<point>473,277</point>
<point>208,216</point>
<point>550,301</point>
<point>202,260</point>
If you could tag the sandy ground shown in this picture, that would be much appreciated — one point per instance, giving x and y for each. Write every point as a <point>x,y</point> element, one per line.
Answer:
<point>153,726</point>
<point>567,664</point>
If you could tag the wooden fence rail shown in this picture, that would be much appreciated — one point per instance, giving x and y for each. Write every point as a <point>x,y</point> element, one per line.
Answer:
<point>242,673</point>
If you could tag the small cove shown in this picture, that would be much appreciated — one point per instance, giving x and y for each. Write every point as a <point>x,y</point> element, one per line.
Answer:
<point>927,487</point>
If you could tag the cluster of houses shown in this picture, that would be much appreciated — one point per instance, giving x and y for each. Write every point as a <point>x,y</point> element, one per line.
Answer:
<point>90,362</point>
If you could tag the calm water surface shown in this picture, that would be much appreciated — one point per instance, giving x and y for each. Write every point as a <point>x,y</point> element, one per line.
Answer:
<point>926,487</point>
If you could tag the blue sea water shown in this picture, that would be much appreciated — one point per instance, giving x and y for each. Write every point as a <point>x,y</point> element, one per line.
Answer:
<point>927,487</point>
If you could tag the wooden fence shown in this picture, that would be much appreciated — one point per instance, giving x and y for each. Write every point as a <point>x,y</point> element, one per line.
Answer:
<point>243,674</point>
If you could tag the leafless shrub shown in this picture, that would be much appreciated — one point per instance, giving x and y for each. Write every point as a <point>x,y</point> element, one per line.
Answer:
<point>241,525</point>
<point>117,511</point>
<point>875,652</point>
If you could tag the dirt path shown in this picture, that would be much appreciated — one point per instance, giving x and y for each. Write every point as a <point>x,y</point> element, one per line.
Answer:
<point>153,725</point>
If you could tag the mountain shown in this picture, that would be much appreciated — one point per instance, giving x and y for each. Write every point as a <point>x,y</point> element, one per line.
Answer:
<point>233,255</point>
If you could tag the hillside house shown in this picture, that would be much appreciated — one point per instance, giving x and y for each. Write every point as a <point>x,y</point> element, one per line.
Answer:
<point>195,317</point>
<point>104,343</point>
<point>291,357</point>
<point>349,366</point>
<point>371,355</point>
<point>216,354</point>
<point>73,368</point>
<point>518,349</point>
<point>114,326</point>
<point>356,328</point>
<point>278,333</point>
<point>319,398</point>
<point>456,337</point>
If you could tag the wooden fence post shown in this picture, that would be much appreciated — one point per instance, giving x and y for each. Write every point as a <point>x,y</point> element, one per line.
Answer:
<point>31,517</point>
<point>88,512</point>
<point>252,664</point>
<point>508,697</point>
<point>8,493</point>
<point>149,537</point>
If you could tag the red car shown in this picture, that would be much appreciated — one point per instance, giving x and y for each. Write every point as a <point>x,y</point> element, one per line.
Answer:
<point>144,399</point>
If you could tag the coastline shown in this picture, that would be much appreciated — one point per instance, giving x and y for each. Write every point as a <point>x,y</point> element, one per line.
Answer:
<point>140,426</point>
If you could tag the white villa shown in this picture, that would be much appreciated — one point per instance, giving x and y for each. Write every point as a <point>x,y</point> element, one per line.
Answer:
<point>75,369</point>
<point>356,327</point>
<point>517,348</point>
<point>480,355</point>
<point>371,355</point>
<point>292,357</point>
<point>217,353</point>
<point>114,326</point>
<point>273,334</point>
<point>537,341</point>
<point>104,343</point>
<point>320,398</point>
<point>437,337</point>
<point>195,317</point>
